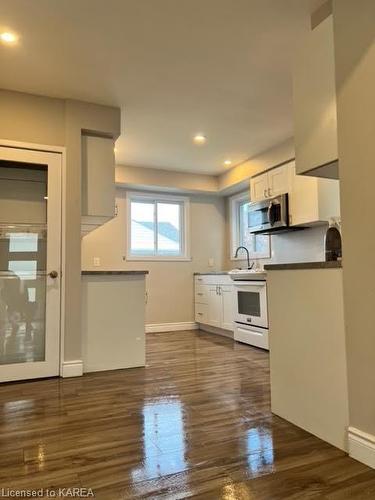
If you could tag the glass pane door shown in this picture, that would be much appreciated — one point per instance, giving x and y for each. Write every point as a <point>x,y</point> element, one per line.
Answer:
<point>22,293</point>
<point>29,297</point>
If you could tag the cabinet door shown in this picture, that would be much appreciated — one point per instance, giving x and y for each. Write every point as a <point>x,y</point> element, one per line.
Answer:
<point>259,188</point>
<point>279,181</point>
<point>214,310</point>
<point>201,313</point>
<point>227,294</point>
<point>98,177</point>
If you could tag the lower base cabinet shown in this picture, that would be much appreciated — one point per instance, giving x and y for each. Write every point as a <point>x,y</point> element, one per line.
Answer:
<point>214,301</point>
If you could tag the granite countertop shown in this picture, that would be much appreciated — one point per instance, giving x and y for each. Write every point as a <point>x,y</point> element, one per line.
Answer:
<point>304,265</point>
<point>98,273</point>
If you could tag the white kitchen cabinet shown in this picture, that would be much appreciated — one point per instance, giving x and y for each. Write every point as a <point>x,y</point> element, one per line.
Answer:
<point>201,313</point>
<point>272,183</point>
<point>227,295</point>
<point>313,200</point>
<point>314,103</point>
<point>259,187</point>
<point>214,301</point>
<point>98,181</point>
<point>279,180</point>
<point>215,306</point>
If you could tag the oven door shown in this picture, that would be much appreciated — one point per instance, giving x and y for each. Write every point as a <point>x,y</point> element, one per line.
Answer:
<point>251,303</point>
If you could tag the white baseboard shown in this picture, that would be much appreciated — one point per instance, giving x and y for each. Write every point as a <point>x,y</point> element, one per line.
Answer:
<point>171,327</point>
<point>72,368</point>
<point>362,446</point>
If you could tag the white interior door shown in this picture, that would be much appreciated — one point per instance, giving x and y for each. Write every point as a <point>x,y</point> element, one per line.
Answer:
<point>30,263</point>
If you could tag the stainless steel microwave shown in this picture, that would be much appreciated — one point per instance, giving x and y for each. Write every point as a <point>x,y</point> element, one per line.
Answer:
<point>269,216</point>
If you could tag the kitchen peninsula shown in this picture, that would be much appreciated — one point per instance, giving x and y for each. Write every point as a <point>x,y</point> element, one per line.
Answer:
<point>307,348</point>
<point>113,319</point>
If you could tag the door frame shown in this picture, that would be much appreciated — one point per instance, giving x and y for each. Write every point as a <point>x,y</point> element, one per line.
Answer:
<point>47,148</point>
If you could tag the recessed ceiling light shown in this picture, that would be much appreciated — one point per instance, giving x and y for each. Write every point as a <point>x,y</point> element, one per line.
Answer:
<point>199,139</point>
<point>227,163</point>
<point>8,37</point>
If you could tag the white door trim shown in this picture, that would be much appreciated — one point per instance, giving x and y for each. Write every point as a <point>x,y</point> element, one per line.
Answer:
<point>62,150</point>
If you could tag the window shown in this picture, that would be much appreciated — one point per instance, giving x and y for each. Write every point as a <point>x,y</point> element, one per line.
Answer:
<point>258,245</point>
<point>157,227</point>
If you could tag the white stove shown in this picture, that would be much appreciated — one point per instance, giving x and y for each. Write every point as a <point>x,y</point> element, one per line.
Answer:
<point>251,315</point>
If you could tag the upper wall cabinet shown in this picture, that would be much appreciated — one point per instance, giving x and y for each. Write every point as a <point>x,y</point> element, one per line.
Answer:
<point>314,102</point>
<point>313,200</point>
<point>98,181</point>
<point>272,183</point>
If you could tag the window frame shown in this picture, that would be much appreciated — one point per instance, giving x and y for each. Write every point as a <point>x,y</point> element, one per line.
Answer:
<point>234,224</point>
<point>184,221</point>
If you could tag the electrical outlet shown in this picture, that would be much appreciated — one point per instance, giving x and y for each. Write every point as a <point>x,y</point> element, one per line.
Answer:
<point>211,262</point>
<point>97,261</point>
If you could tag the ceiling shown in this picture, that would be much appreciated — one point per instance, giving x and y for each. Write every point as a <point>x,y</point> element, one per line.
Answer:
<point>175,67</point>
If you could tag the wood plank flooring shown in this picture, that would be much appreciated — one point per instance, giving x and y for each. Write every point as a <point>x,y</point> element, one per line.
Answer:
<point>196,422</point>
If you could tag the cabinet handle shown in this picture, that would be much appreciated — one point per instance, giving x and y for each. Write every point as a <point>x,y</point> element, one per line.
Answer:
<point>199,293</point>
<point>200,314</point>
<point>269,192</point>
<point>219,288</point>
<point>265,193</point>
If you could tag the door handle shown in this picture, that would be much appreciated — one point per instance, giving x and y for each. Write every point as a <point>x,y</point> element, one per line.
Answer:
<point>53,275</point>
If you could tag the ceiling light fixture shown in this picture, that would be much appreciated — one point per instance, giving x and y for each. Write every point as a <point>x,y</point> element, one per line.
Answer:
<point>227,163</point>
<point>8,37</point>
<point>200,139</point>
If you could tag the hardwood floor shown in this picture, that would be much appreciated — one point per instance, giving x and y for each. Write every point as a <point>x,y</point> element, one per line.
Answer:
<point>195,422</point>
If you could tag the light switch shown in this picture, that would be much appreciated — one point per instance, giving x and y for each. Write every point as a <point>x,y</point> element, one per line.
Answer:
<point>211,262</point>
<point>97,261</point>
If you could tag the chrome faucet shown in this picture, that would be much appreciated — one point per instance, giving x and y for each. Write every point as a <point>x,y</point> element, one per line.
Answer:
<point>247,255</point>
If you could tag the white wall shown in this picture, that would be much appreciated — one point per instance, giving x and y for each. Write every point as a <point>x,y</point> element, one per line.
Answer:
<point>169,284</point>
<point>354,33</point>
<point>299,246</point>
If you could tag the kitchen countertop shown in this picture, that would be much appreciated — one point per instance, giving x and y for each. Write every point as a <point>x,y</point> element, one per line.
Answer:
<point>304,265</point>
<point>212,273</point>
<point>98,273</point>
